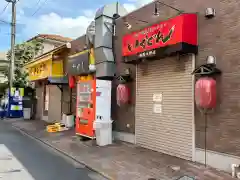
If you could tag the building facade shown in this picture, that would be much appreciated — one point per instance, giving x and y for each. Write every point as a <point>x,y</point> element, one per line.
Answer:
<point>49,42</point>
<point>46,72</point>
<point>4,64</point>
<point>180,129</point>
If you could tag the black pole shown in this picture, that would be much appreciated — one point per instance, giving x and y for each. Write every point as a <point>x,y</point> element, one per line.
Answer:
<point>70,103</point>
<point>205,114</point>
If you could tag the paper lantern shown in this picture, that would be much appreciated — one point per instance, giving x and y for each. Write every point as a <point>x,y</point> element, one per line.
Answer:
<point>205,93</point>
<point>123,94</point>
<point>71,81</point>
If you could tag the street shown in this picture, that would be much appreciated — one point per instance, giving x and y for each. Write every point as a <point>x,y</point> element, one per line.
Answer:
<point>23,158</point>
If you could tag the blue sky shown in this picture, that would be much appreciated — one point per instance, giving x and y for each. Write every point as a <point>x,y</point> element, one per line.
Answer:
<point>64,17</point>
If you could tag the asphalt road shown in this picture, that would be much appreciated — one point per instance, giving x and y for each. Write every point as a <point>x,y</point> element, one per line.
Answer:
<point>23,158</point>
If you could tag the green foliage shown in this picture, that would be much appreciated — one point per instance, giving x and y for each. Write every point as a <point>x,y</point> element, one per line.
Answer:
<point>24,53</point>
<point>3,87</point>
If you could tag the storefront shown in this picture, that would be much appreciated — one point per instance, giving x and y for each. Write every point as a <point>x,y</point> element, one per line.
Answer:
<point>83,80</point>
<point>164,84</point>
<point>166,118</point>
<point>46,72</point>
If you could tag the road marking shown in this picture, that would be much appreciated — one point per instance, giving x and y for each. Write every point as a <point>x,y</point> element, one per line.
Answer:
<point>10,167</point>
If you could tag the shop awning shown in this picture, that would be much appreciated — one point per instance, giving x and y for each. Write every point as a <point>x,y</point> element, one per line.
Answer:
<point>58,80</point>
<point>78,64</point>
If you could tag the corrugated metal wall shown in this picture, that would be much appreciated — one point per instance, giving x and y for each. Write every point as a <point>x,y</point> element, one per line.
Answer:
<point>171,130</point>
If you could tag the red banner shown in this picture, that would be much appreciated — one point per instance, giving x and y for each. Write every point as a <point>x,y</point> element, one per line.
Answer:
<point>180,29</point>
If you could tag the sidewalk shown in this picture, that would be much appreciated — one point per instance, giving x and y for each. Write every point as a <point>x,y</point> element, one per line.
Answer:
<point>120,161</point>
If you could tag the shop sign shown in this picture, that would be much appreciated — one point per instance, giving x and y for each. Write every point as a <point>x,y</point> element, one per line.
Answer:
<point>78,64</point>
<point>165,35</point>
<point>45,69</point>
<point>40,71</point>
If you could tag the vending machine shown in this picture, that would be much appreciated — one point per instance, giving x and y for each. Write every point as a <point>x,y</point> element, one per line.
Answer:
<point>86,106</point>
<point>15,103</point>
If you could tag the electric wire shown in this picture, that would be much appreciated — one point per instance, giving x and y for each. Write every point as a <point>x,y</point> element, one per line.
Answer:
<point>38,3</point>
<point>39,7</point>
<point>4,9</point>
<point>3,21</point>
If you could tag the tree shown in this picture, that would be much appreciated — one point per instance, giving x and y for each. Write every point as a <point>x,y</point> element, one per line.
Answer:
<point>24,53</point>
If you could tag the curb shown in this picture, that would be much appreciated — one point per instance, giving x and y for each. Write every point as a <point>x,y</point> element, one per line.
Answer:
<point>60,151</point>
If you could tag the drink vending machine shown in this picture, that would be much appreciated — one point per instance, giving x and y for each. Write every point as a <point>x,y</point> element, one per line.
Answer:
<point>93,104</point>
<point>14,107</point>
<point>86,106</point>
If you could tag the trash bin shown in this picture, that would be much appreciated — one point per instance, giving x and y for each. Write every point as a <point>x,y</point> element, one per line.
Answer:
<point>27,113</point>
<point>69,121</point>
<point>103,131</point>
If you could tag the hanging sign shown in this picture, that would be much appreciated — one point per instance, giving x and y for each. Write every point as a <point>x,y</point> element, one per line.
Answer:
<point>178,34</point>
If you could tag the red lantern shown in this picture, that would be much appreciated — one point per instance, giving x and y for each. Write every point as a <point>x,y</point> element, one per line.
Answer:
<point>123,94</point>
<point>71,81</point>
<point>205,93</point>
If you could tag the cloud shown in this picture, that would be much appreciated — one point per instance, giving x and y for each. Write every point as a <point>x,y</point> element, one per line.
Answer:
<point>53,23</point>
<point>129,7</point>
<point>89,13</point>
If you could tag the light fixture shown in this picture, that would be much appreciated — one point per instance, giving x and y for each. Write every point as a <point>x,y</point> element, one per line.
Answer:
<point>210,13</point>
<point>92,68</point>
<point>129,26</point>
<point>127,72</point>
<point>211,60</point>
<point>68,45</point>
<point>116,16</point>
<point>156,13</point>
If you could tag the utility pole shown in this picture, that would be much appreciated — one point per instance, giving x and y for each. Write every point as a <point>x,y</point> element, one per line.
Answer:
<point>13,34</point>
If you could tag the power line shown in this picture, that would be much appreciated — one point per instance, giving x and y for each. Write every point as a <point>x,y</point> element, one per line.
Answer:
<point>39,7</point>
<point>4,9</point>
<point>3,21</point>
<point>38,3</point>
<point>7,22</point>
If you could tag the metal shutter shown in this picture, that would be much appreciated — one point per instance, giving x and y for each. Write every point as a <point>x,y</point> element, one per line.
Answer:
<point>169,132</point>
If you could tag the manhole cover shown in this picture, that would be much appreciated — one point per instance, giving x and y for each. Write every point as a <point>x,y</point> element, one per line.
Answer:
<point>186,178</point>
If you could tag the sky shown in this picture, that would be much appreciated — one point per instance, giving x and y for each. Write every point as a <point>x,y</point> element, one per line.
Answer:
<point>68,18</point>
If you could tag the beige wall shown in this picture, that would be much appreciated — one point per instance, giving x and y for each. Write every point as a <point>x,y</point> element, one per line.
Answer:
<point>48,45</point>
<point>39,95</point>
<point>54,109</point>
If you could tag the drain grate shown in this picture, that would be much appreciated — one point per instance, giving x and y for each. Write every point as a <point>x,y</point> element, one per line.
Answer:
<point>186,178</point>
